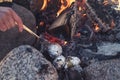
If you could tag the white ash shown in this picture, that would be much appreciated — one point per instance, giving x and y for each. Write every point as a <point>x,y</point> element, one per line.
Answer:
<point>59,62</point>
<point>54,50</point>
<point>108,48</point>
<point>69,62</point>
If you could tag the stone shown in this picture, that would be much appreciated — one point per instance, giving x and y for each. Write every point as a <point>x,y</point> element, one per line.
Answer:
<point>103,70</point>
<point>25,3</point>
<point>75,73</point>
<point>107,48</point>
<point>26,63</point>
<point>13,38</point>
<point>54,50</point>
<point>118,36</point>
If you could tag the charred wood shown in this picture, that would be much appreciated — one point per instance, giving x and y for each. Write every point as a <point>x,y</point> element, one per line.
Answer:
<point>95,19</point>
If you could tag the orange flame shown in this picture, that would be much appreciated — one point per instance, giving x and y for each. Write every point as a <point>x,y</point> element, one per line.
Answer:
<point>44,5</point>
<point>64,4</point>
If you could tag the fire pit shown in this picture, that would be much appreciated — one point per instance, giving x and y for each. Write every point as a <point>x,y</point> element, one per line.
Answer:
<point>88,29</point>
<point>77,33</point>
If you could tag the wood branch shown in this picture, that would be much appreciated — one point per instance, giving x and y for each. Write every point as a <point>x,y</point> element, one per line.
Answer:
<point>95,19</point>
<point>29,31</point>
<point>73,20</point>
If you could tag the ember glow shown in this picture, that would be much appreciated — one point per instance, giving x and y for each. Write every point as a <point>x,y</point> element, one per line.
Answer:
<point>84,15</point>
<point>65,42</point>
<point>96,27</point>
<point>53,39</point>
<point>112,24</point>
<point>77,35</point>
<point>80,9</point>
<point>64,4</point>
<point>41,23</point>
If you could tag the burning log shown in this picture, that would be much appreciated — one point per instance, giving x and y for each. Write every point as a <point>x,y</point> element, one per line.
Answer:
<point>60,21</point>
<point>95,19</point>
<point>69,17</point>
<point>65,4</point>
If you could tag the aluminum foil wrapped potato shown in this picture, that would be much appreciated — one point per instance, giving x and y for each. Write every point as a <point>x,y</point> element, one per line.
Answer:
<point>54,50</point>
<point>59,62</point>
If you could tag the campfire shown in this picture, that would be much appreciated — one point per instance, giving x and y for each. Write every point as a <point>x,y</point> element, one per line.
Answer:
<point>78,25</point>
<point>66,18</point>
<point>75,33</point>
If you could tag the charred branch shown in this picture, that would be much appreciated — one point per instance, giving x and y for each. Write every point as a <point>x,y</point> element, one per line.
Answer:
<point>95,19</point>
<point>74,20</point>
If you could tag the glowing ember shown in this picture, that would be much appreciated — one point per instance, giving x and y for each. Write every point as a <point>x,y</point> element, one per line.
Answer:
<point>53,39</point>
<point>96,28</point>
<point>77,35</point>
<point>65,42</point>
<point>112,24</point>
<point>44,5</point>
<point>64,4</point>
<point>105,2</point>
<point>41,23</point>
<point>80,8</point>
<point>84,15</point>
<point>48,0</point>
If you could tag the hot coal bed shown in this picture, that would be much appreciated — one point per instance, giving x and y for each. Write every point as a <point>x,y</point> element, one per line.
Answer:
<point>88,31</point>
